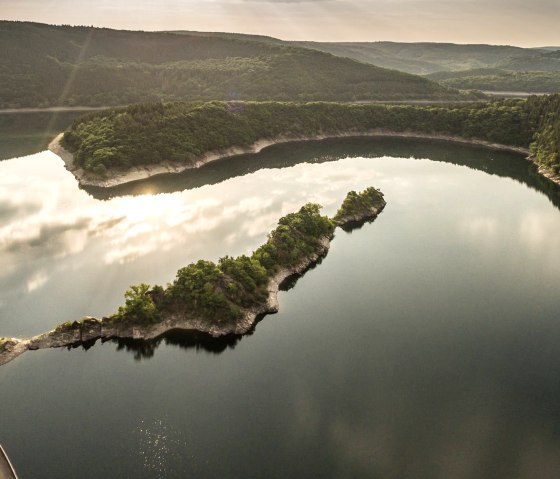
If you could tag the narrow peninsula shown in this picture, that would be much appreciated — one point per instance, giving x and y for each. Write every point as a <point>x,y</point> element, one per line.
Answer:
<point>226,298</point>
<point>121,145</point>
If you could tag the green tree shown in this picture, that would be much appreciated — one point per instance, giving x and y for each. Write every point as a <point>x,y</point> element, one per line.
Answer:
<point>139,305</point>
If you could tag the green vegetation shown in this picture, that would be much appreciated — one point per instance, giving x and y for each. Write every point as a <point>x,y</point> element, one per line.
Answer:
<point>44,65</point>
<point>546,147</point>
<point>425,58</point>
<point>360,205</point>
<point>225,291</point>
<point>464,67</point>
<point>183,132</point>
<point>139,305</point>
<point>534,61</point>
<point>495,79</point>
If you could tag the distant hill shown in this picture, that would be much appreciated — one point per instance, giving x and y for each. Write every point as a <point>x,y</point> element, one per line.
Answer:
<point>427,58</point>
<point>536,61</point>
<point>44,65</point>
<point>422,58</point>
<point>547,48</point>
<point>495,79</point>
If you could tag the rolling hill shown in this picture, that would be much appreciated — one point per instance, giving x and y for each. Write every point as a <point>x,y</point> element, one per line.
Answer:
<point>427,58</point>
<point>44,65</point>
<point>495,79</point>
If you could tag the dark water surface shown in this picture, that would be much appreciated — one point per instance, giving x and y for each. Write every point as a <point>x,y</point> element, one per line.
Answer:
<point>28,133</point>
<point>426,344</point>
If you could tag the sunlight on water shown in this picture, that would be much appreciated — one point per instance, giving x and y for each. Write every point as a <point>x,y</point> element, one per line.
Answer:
<point>161,447</point>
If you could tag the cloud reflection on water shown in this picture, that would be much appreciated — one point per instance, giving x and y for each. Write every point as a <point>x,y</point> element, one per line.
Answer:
<point>51,227</point>
<point>55,239</point>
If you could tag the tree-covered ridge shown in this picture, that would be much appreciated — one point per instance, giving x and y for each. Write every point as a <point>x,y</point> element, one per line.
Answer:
<point>495,79</point>
<point>363,205</point>
<point>225,291</point>
<point>427,57</point>
<point>183,132</point>
<point>45,65</point>
<point>546,147</point>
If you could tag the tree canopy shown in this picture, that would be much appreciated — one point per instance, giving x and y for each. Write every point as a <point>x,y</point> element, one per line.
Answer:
<point>183,132</point>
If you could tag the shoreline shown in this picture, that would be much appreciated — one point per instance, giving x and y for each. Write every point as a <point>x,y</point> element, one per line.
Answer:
<point>121,177</point>
<point>89,329</point>
<point>544,171</point>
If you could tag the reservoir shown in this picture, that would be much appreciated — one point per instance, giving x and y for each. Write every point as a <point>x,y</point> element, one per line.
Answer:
<point>425,344</point>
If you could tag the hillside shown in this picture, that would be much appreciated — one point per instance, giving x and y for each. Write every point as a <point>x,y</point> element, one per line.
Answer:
<point>495,79</point>
<point>423,58</point>
<point>535,61</point>
<point>427,58</point>
<point>43,65</point>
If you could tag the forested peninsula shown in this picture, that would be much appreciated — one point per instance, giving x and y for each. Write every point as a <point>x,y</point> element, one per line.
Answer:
<point>125,144</point>
<point>219,299</point>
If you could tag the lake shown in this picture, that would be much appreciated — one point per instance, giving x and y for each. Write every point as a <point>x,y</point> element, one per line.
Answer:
<point>425,345</point>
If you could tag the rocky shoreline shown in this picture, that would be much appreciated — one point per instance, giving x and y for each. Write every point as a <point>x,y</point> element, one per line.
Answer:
<point>121,177</point>
<point>544,171</point>
<point>91,329</point>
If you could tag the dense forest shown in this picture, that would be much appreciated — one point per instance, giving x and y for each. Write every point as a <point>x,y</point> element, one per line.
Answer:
<point>183,132</point>
<point>495,79</point>
<point>44,65</point>
<point>546,147</point>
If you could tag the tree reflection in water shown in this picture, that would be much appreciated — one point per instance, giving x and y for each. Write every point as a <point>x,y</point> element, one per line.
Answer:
<point>187,340</point>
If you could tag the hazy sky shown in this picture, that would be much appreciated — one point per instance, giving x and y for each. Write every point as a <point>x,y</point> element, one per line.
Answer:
<point>516,22</point>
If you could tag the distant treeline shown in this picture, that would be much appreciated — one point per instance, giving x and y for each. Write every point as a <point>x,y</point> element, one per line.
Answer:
<point>493,79</point>
<point>428,57</point>
<point>182,132</point>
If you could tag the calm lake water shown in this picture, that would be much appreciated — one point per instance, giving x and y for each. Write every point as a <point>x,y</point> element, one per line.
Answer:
<point>425,345</point>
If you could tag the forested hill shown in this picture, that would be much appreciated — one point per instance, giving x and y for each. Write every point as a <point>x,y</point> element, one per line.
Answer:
<point>495,79</point>
<point>43,65</point>
<point>426,58</point>
<point>183,133</point>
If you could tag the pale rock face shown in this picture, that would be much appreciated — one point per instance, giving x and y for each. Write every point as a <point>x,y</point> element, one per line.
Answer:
<point>121,177</point>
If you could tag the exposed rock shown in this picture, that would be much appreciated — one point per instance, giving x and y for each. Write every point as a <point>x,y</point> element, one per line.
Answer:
<point>121,176</point>
<point>90,329</point>
<point>11,348</point>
